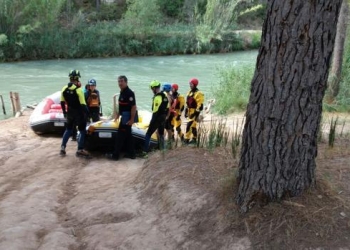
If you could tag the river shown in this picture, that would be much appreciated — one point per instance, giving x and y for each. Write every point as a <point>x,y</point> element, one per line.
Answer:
<point>34,80</point>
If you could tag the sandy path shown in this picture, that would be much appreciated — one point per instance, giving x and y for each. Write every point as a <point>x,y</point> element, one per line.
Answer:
<point>49,202</point>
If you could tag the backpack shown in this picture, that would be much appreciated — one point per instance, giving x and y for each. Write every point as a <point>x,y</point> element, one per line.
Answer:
<point>93,100</point>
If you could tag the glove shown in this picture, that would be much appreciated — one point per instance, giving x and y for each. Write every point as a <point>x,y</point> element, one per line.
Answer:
<point>195,114</point>
<point>100,114</point>
<point>186,112</point>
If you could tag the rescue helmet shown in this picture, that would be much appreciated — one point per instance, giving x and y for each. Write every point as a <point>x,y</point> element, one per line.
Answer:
<point>92,82</point>
<point>194,81</point>
<point>175,86</point>
<point>75,74</point>
<point>166,87</point>
<point>155,84</point>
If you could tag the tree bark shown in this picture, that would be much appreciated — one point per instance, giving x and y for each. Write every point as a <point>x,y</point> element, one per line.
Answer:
<point>279,144</point>
<point>337,62</point>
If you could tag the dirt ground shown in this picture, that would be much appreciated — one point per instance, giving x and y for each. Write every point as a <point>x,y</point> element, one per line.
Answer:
<point>172,201</point>
<point>49,202</point>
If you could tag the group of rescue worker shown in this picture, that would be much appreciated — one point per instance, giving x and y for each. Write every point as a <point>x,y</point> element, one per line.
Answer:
<point>80,106</point>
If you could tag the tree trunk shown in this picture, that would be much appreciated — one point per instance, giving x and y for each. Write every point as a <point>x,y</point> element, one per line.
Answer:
<point>279,143</point>
<point>97,5</point>
<point>335,75</point>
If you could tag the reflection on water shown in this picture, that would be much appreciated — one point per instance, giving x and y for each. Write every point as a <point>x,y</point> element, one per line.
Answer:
<point>36,79</point>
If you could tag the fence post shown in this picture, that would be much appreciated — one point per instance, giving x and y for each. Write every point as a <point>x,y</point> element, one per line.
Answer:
<point>16,104</point>
<point>12,104</point>
<point>3,105</point>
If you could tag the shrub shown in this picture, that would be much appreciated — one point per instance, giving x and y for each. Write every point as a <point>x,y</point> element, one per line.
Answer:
<point>233,89</point>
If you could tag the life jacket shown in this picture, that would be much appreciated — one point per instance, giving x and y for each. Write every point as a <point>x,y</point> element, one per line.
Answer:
<point>71,97</point>
<point>177,100</point>
<point>93,100</point>
<point>190,101</point>
<point>164,106</point>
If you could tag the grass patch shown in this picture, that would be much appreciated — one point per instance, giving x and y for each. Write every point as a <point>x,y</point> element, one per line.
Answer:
<point>233,89</point>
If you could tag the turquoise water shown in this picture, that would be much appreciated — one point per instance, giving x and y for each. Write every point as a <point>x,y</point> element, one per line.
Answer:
<point>34,80</point>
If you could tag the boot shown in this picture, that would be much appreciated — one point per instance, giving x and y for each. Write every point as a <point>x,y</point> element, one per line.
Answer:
<point>82,153</point>
<point>193,141</point>
<point>63,151</point>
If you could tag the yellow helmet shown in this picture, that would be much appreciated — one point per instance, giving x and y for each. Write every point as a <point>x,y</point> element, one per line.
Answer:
<point>155,84</point>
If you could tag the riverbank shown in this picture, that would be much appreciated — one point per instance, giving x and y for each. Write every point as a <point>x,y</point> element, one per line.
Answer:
<point>108,39</point>
<point>183,200</point>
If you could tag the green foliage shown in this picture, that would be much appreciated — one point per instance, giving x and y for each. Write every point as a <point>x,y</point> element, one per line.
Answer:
<point>218,16</point>
<point>3,43</point>
<point>171,8</point>
<point>42,29</point>
<point>252,17</point>
<point>233,89</point>
<point>3,39</point>
<point>342,101</point>
<point>106,39</point>
<point>217,134</point>
<point>143,13</point>
<point>107,12</point>
<point>15,13</point>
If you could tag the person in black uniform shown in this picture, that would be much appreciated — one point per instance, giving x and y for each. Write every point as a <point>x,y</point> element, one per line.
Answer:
<point>73,96</point>
<point>127,112</point>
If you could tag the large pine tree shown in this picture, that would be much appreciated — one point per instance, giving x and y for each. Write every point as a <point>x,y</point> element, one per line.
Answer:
<point>285,106</point>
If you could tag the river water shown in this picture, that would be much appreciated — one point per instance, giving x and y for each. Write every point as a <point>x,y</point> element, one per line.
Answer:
<point>34,80</point>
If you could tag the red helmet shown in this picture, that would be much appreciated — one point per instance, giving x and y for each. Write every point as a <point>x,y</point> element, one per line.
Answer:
<point>194,81</point>
<point>175,86</point>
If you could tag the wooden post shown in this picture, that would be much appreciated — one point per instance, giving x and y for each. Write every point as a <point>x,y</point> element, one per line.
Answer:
<point>12,104</point>
<point>16,104</point>
<point>3,105</point>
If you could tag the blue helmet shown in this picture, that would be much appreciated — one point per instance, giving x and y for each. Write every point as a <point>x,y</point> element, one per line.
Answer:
<point>92,82</point>
<point>166,87</point>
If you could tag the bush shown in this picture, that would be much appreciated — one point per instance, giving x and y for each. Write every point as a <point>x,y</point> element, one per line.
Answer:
<point>171,8</point>
<point>109,39</point>
<point>143,13</point>
<point>233,89</point>
<point>252,17</point>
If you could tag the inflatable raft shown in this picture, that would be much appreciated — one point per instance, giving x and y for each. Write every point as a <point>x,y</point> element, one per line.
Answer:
<point>102,135</point>
<point>47,117</point>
